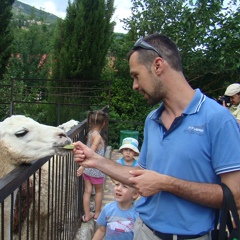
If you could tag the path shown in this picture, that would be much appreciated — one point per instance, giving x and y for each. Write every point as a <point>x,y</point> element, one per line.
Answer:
<point>86,230</point>
<point>108,187</point>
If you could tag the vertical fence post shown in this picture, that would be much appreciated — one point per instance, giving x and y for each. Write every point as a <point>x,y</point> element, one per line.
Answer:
<point>11,101</point>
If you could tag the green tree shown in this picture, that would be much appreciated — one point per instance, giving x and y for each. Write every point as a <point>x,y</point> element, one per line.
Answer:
<point>31,55</point>
<point>5,33</point>
<point>30,61</point>
<point>31,45</point>
<point>83,40</point>
<point>81,45</point>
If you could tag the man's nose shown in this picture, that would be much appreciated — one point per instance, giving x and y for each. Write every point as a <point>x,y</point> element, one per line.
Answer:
<point>135,85</point>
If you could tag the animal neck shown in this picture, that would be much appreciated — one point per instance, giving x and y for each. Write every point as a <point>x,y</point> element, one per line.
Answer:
<point>8,163</point>
<point>6,168</point>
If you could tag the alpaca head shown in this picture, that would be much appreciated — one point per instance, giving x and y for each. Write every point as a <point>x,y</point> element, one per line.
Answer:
<point>23,140</point>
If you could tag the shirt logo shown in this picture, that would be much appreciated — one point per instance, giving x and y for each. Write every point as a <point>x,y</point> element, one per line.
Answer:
<point>199,130</point>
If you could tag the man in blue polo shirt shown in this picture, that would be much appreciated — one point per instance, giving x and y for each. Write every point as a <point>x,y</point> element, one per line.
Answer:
<point>191,144</point>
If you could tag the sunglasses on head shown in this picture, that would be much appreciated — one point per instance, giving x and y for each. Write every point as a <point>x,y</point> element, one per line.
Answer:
<point>140,43</point>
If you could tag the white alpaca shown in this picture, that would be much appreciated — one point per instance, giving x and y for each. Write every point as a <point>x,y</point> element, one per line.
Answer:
<point>23,140</point>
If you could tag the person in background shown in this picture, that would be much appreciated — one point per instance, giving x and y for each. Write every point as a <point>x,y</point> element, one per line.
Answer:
<point>233,91</point>
<point>117,218</point>
<point>129,150</point>
<point>93,177</point>
<point>188,149</point>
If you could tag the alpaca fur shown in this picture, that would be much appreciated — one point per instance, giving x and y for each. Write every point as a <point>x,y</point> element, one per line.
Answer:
<point>23,140</point>
<point>67,126</point>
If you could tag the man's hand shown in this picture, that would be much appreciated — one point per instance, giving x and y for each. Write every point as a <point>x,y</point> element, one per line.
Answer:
<point>147,182</point>
<point>83,155</point>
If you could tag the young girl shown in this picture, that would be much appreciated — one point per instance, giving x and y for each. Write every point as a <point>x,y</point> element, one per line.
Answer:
<point>92,176</point>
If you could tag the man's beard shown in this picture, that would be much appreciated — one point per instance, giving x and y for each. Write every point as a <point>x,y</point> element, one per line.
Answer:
<point>152,101</point>
<point>156,96</point>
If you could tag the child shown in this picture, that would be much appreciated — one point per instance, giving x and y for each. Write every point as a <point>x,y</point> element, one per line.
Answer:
<point>91,176</point>
<point>117,218</point>
<point>129,149</point>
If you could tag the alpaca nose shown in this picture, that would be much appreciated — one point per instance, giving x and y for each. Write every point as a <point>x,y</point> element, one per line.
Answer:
<point>62,135</point>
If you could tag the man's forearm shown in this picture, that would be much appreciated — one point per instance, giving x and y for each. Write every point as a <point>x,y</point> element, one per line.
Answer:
<point>202,193</point>
<point>149,182</point>
<point>114,170</point>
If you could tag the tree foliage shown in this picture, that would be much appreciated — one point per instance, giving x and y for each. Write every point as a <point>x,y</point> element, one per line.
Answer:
<point>80,49</point>
<point>31,54</point>
<point>5,33</point>
<point>29,60</point>
<point>83,39</point>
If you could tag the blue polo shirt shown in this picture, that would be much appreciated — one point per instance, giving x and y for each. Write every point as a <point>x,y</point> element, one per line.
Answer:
<point>201,144</point>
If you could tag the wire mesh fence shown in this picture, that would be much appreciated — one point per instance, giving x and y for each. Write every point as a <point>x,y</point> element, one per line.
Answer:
<point>53,101</point>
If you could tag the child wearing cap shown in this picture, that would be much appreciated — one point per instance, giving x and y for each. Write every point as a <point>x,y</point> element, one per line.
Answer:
<point>129,150</point>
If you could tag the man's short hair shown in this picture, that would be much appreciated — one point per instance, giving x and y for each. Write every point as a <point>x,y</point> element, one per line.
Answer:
<point>164,45</point>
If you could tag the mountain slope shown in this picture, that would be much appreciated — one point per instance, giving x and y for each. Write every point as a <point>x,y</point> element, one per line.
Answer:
<point>29,12</point>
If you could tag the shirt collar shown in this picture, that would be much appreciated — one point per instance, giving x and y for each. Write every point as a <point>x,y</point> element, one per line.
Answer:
<point>236,106</point>
<point>193,107</point>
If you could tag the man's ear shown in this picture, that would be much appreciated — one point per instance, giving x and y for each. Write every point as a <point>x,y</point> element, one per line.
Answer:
<point>158,65</point>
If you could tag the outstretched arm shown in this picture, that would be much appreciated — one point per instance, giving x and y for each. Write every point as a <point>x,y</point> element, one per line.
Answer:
<point>86,157</point>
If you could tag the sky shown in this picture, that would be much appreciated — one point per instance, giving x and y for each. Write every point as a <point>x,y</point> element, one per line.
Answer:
<point>58,8</point>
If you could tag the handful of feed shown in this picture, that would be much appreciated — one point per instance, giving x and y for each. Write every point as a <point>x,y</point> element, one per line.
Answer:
<point>69,147</point>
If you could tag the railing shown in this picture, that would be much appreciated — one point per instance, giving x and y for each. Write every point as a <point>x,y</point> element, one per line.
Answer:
<point>43,200</point>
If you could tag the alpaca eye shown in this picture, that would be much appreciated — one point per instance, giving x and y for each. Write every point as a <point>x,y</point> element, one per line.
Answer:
<point>62,135</point>
<point>21,133</point>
